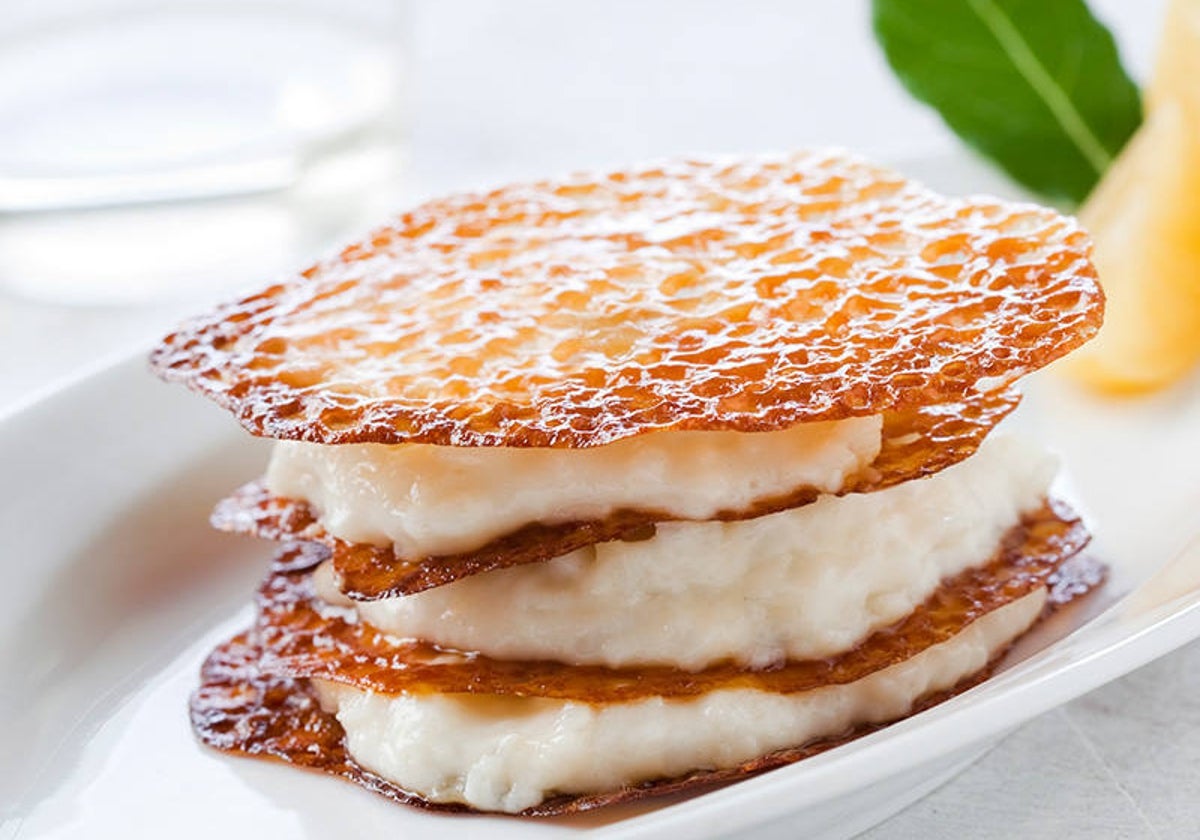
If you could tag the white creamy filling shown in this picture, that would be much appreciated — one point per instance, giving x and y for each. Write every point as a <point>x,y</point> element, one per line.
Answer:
<point>800,584</point>
<point>431,500</point>
<point>507,754</point>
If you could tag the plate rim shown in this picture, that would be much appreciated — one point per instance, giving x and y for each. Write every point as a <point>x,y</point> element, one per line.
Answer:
<point>901,747</point>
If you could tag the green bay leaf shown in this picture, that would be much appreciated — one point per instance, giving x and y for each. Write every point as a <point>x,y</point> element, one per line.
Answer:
<point>1035,85</point>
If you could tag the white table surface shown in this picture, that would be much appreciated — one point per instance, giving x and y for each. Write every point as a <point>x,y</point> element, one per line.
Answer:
<point>503,90</point>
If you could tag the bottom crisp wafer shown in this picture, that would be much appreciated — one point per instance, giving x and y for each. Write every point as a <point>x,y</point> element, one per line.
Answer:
<point>252,702</point>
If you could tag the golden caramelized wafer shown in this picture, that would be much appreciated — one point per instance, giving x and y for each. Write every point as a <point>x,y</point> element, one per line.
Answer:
<point>302,636</point>
<point>742,294</point>
<point>915,443</point>
<point>244,707</point>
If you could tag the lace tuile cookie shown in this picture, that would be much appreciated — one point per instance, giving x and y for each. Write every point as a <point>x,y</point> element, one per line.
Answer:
<point>744,294</point>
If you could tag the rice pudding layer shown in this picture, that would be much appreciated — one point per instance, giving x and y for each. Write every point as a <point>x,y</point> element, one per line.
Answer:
<point>509,753</point>
<point>432,500</point>
<point>801,584</point>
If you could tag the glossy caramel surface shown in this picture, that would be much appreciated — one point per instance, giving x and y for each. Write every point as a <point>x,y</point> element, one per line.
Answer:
<point>746,294</point>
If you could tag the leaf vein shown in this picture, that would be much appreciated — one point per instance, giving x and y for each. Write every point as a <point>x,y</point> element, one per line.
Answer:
<point>1043,83</point>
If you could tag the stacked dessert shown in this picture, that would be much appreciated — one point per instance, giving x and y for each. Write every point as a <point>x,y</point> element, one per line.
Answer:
<point>619,484</point>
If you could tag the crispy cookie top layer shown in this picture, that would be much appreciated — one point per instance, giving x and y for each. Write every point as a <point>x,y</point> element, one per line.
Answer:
<point>746,294</point>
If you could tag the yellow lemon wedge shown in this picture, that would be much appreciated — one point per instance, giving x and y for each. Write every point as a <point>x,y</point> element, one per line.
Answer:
<point>1145,218</point>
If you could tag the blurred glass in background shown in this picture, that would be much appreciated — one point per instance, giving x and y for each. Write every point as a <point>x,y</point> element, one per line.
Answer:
<point>175,148</point>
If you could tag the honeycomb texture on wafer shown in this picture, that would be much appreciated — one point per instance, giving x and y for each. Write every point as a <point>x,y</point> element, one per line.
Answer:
<point>915,444</point>
<point>302,636</point>
<point>745,294</point>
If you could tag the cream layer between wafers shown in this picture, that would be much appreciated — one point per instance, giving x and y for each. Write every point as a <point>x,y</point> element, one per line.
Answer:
<point>433,500</point>
<point>801,584</point>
